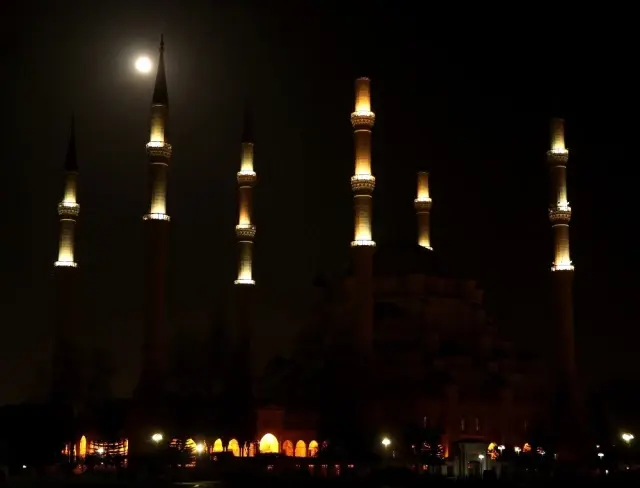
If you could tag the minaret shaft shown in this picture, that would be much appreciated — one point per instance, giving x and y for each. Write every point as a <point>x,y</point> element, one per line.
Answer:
<point>245,230</point>
<point>158,178</point>
<point>562,268</point>
<point>362,139</point>
<point>245,263</point>
<point>363,185</point>
<point>157,124</point>
<point>65,367</point>
<point>422,204</point>
<point>363,207</point>
<point>245,194</point>
<point>66,250</point>
<point>157,227</point>
<point>239,378</point>
<point>68,210</point>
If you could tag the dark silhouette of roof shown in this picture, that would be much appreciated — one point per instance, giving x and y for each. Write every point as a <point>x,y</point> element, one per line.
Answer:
<point>71,161</point>
<point>160,95</point>
<point>403,259</point>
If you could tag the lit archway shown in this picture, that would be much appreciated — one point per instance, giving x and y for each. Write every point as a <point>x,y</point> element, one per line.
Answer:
<point>82,450</point>
<point>217,446</point>
<point>269,444</point>
<point>313,448</point>
<point>190,445</point>
<point>234,447</point>
<point>287,448</point>
<point>301,449</point>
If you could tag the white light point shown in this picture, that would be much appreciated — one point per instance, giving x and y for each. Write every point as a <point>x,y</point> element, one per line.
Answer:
<point>143,64</point>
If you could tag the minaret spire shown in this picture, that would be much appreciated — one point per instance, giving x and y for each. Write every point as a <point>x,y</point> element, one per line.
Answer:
<point>160,93</point>
<point>422,204</point>
<point>362,184</point>
<point>71,161</point>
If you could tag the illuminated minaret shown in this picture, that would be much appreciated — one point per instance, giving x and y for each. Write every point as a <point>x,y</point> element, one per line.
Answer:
<point>68,208</point>
<point>422,204</point>
<point>362,184</point>
<point>67,381</point>
<point>239,376</point>
<point>562,269</point>
<point>246,230</point>
<point>157,225</point>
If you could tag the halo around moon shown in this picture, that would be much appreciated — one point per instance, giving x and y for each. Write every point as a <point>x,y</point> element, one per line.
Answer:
<point>143,64</point>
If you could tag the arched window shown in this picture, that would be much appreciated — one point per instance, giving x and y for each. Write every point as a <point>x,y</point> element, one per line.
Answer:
<point>234,447</point>
<point>313,448</point>
<point>217,446</point>
<point>301,449</point>
<point>287,448</point>
<point>269,444</point>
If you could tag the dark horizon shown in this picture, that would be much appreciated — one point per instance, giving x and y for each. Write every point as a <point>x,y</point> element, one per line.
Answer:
<point>475,103</point>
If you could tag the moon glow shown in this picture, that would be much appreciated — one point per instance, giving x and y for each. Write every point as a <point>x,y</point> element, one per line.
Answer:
<point>143,64</point>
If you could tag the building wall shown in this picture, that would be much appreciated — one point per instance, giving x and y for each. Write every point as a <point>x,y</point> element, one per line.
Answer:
<point>439,357</point>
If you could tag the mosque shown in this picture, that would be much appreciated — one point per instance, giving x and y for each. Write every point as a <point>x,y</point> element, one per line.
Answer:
<point>400,323</point>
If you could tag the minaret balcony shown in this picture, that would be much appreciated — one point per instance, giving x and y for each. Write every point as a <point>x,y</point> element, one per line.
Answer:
<point>159,150</point>
<point>68,209</point>
<point>422,204</point>
<point>245,231</point>
<point>558,157</point>
<point>156,216</point>
<point>247,178</point>
<point>560,215</point>
<point>562,267</point>
<point>244,281</point>
<point>363,183</point>
<point>363,243</point>
<point>65,264</point>
<point>362,119</point>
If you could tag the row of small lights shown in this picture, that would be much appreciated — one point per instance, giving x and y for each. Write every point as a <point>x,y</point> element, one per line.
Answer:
<point>386,442</point>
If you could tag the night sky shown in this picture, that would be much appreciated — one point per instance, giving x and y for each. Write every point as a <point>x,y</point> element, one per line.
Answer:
<point>467,98</point>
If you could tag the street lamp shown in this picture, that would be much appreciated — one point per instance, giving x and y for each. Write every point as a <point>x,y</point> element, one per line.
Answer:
<point>600,455</point>
<point>386,442</point>
<point>517,449</point>
<point>501,448</point>
<point>199,448</point>
<point>627,437</point>
<point>157,437</point>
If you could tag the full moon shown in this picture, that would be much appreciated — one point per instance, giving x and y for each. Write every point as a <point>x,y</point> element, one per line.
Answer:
<point>143,64</point>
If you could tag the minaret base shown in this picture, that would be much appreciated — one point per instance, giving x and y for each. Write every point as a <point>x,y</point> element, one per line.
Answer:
<point>364,301</point>
<point>156,334</point>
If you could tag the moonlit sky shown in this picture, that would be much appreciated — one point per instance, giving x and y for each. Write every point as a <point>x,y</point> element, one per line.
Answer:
<point>466,97</point>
